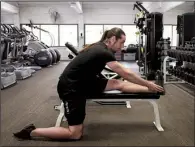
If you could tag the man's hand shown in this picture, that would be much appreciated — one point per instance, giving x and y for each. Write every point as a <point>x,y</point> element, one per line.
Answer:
<point>155,88</point>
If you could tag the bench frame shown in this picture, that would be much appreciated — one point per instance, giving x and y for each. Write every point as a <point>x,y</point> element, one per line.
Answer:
<point>153,102</point>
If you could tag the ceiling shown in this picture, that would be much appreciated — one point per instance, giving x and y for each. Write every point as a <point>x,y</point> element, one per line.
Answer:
<point>187,6</point>
<point>92,0</point>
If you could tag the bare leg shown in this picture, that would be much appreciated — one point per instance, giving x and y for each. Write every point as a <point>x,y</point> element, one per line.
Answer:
<point>134,88</point>
<point>73,132</point>
<point>125,86</point>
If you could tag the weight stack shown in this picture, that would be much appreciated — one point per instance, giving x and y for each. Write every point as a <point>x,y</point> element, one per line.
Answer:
<point>186,27</point>
<point>154,35</point>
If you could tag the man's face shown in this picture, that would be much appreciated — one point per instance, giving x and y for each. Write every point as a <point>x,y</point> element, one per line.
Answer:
<point>117,45</point>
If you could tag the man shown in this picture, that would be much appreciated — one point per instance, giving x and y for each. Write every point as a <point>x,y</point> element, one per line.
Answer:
<point>82,78</point>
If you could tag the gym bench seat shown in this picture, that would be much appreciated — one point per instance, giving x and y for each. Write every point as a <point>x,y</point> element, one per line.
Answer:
<point>121,97</point>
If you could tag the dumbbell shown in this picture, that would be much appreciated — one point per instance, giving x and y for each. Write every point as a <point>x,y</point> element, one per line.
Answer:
<point>185,78</point>
<point>191,57</point>
<point>189,54</point>
<point>189,75</point>
<point>169,69</point>
<point>177,71</point>
<point>189,78</point>
<point>173,53</point>
<point>193,76</point>
<point>183,73</point>
<point>194,79</point>
<point>179,55</point>
<point>178,48</point>
<point>169,53</point>
<point>184,54</point>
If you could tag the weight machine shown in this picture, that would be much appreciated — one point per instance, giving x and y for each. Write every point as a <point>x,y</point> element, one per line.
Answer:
<point>150,25</point>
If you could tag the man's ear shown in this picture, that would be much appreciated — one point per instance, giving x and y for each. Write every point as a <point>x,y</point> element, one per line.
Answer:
<point>113,39</point>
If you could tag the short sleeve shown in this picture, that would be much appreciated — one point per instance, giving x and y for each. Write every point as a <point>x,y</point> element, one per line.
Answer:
<point>107,56</point>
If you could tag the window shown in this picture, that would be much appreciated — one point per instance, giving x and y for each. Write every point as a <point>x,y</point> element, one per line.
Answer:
<point>36,32</point>
<point>174,40</point>
<point>108,27</point>
<point>51,37</point>
<point>93,33</point>
<point>68,33</point>
<point>131,37</point>
<point>167,32</point>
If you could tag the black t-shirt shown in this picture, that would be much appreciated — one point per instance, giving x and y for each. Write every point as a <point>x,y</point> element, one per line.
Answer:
<point>86,66</point>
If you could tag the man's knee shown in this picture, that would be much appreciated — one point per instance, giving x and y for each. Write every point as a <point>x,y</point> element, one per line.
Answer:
<point>118,84</point>
<point>76,135</point>
<point>76,132</point>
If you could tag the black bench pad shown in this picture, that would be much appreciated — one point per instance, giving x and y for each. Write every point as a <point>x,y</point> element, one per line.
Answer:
<point>120,95</point>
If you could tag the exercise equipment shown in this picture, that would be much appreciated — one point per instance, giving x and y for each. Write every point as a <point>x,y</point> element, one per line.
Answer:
<point>185,27</point>
<point>36,47</point>
<point>15,47</point>
<point>186,74</point>
<point>58,55</point>
<point>185,62</point>
<point>153,31</point>
<point>43,58</point>
<point>120,96</point>
<point>8,78</point>
<point>54,56</point>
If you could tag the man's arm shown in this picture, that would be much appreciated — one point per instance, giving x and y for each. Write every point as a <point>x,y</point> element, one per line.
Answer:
<point>127,74</point>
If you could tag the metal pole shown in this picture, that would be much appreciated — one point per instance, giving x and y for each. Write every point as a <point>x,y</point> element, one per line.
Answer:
<point>139,48</point>
<point>194,7</point>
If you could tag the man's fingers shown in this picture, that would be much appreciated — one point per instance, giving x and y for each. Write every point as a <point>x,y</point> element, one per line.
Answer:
<point>160,88</point>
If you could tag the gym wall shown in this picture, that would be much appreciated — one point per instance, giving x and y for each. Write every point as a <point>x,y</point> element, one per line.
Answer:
<point>7,18</point>
<point>94,13</point>
<point>102,13</point>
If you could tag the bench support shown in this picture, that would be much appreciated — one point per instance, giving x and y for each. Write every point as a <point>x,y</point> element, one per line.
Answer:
<point>156,122</point>
<point>128,104</point>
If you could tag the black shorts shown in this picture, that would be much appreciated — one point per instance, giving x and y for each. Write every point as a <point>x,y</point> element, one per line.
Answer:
<point>75,99</point>
<point>75,111</point>
<point>95,86</point>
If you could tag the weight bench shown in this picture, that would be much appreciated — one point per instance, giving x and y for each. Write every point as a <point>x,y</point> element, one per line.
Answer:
<point>120,96</point>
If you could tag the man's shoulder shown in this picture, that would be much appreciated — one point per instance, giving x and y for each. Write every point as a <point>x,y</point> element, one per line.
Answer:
<point>99,45</point>
<point>98,48</point>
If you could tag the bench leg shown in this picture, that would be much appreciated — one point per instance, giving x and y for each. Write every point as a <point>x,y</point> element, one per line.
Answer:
<point>128,104</point>
<point>157,116</point>
<point>61,115</point>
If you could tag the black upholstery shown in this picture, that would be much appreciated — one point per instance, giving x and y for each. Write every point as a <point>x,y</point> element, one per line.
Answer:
<point>121,95</point>
<point>71,48</point>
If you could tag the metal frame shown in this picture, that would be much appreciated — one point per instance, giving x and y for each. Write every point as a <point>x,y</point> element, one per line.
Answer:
<point>153,102</point>
<point>165,72</point>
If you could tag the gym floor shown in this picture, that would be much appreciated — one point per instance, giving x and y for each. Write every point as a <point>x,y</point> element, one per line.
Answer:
<point>33,100</point>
